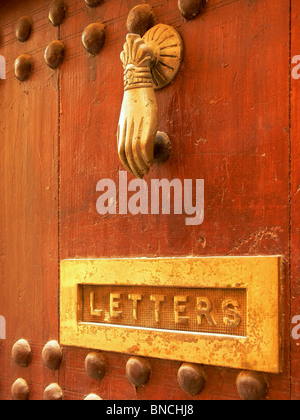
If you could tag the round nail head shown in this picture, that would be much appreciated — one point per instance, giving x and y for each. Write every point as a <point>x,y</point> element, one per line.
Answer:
<point>162,147</point>
<point>92,397</point>
<point>23,28</point>
<point>20,390</point>
<point>23,67</point>
<point>57,12</point>
<point>191,378</point>
<point>95,366</point>
<point>54,54</point>
<point>53,392</point>
<point>21,353</point>
<point>93,37</point>
<point>140,19</point>
<point>92,3</point>
<point>52,355</point>
<point>191,8</point>
<point>252,386</point>
<point>138,371</point>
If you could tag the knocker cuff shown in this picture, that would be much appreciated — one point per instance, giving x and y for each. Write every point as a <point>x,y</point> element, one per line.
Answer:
<point>137,77</point>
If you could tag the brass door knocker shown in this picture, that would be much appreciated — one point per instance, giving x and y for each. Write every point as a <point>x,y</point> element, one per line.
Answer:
<point>150,63</point>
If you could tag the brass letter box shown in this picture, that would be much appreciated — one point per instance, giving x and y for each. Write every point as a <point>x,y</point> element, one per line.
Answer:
<point>222,311</point>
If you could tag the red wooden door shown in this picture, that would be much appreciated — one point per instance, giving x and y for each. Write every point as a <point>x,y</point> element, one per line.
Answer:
<point>231,115</point>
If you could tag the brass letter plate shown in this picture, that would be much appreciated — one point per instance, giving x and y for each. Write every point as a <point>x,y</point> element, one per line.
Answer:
<point>222,311</point>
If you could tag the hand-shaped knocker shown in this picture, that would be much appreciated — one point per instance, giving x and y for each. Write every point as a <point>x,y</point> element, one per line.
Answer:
<point>149,63</point>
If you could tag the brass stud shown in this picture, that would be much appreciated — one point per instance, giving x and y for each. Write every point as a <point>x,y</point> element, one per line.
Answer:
<point>53,392</point>
<point>191,8</point>
<point>54,54</point>
<point>57,12</point>
<point>138,371</point>
<point>93,37</point>
<point>92,3</point>
<point>95,366</point>
<point>191,378</point>
<point>162,147</point>
<point>21,353</point>
<point>140,19</point>
<point>92,397</point>
<point>23,28</point>
<point>252,386</point>
<point>20,390</point>
<point>52,355</point>
<point>23,67</point>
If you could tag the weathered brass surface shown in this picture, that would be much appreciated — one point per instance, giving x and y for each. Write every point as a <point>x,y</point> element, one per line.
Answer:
<point>23,67</point>
<point>222,311</point>
<point>21,353</point>
<point>162,147</point>
<point>191,378</point>
<point>23,28</point>
<point>138,371</point>
<point>20,390</point>
<point>149,63</point>
<point>52,355</point>
<point>93,37</point>
<point>140,19</point>
<point>53,392</point>
<point>95,366</point>
<point>252,386</point>
<point>54,54</point>
<point>208,310</point>
<point>191,8</point>
<point>92,397</point>
<point>57,12</point>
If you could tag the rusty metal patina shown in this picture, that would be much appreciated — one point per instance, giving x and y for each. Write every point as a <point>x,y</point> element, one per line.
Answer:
<point>95,366</point>
<point>52,355</point>
<point>221,311</point>
<point>23,67</point>
<point>21,353</point>
<point>138,371</point>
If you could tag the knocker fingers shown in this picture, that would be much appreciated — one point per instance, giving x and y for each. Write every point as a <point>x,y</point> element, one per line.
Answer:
<point>136,148</point>
<point>129,151</point>
<point>122,129</point>
<point>147,142</point>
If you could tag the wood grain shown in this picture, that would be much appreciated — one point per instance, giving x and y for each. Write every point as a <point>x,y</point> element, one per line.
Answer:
<point>29,198</point>
<point>295,201</point>
<point>228,117</point>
